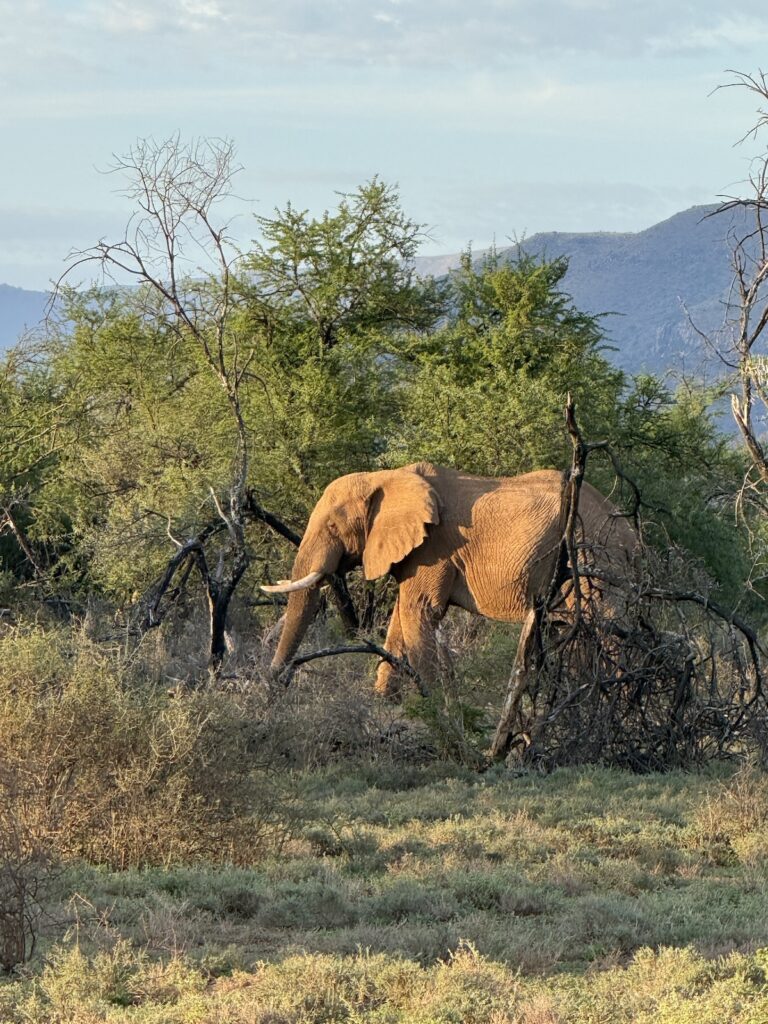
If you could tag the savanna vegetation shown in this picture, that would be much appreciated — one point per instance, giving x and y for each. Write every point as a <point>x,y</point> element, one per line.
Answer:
<point>181,839</point>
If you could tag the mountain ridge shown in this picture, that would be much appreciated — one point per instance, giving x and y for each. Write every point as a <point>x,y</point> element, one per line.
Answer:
<point>20,310</point>
<point>649,284</point>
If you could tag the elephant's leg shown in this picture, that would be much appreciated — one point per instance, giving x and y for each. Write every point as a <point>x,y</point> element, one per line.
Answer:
<point>388,679</point>
<point>423,602</point>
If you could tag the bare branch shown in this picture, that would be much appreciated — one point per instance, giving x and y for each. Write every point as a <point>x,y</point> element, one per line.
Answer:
<point>176,188</point>
<point>365,647</point>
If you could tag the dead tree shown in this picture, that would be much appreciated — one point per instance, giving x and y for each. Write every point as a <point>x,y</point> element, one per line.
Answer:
<point>740,344</point>
<point>661,676</point>
<point>567,570</point>
<point>190,554</point>
<point>176,188</point>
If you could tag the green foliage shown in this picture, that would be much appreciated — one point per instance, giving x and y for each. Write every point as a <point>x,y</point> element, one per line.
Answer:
<point>344,277</point>
<point>488,388</point>
<point>140,466</point>
<point>123,389</point>
<point>326,306</point>
<point>41,419</point>
<point>689,475</point>
<point>456,727</point>
<point>345,361</point>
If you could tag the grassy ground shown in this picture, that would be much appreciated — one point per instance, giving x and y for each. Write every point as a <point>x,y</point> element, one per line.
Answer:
<point>433,895</point>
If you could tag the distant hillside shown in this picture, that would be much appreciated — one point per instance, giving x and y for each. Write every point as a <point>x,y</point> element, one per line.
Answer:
<point>646,278</point>
<point>20,310</point>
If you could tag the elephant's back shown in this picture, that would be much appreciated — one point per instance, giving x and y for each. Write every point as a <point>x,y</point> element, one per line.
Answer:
<point>511,537</point>
<point>602,525</point>
<point>538,480</point>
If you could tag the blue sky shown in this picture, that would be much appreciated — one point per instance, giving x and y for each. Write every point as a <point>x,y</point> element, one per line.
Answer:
<point>496,118</point>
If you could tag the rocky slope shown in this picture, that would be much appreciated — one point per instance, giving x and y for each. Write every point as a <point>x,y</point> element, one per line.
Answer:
<point>650,283</point>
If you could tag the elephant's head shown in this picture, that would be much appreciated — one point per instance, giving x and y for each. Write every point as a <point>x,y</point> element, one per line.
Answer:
<point>369,519</point>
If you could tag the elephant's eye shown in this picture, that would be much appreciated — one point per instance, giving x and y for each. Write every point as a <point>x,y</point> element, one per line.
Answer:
<point>333,528</point>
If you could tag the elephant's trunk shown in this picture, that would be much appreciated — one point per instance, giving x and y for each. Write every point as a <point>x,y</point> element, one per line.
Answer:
<point>302,607</point>
<point>313,556</point>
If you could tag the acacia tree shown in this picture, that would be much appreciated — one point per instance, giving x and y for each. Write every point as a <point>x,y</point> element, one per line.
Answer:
<point>328,304</point>
<point>346,276</point>
<point>42,423</point>
<point>485,391</point>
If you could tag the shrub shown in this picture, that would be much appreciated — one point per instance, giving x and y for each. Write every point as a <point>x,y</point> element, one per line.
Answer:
<point>126,773</point>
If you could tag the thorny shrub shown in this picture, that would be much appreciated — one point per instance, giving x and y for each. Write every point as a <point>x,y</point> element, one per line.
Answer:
<point>26,869</point>
<point>126,772</point>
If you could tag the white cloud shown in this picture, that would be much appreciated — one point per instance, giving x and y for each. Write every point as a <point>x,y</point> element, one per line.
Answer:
<point>418,33</point>
<point>734,33</point>
<point>485,32</point>
<point>121,18</point>
<point>462,102</point>
<point>203,9</point>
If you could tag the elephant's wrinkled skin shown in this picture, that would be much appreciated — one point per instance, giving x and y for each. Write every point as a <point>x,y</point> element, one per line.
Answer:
<point>488,545</point>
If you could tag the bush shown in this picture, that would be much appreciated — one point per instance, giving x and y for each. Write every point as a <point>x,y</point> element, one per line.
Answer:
<point>125,773</point>
<point>644,680</point>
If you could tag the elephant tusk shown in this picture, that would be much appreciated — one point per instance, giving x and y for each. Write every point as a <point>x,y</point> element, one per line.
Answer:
<point>289,586</point>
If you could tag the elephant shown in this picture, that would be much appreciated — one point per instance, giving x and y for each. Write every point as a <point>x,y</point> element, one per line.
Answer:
<point>489,545</point>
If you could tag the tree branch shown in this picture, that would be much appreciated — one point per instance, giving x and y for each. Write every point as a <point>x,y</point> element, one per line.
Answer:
<point>365,647</point>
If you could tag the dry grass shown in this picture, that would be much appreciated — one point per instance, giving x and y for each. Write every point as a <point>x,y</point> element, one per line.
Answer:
<point>551,882</point>
<point>731,825</point>
<point>308,860</point>
<point>124,772</point>
<point>664,987</point>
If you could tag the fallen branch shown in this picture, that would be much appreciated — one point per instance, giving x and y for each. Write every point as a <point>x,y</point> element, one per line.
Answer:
<point>753,641</point>
<point>365,647</point>
<point>587,687</point>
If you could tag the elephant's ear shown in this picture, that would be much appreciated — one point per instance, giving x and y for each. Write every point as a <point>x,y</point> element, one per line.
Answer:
<point>399,510</point>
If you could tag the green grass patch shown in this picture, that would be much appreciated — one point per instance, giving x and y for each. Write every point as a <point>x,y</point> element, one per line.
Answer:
<point>585,895</point>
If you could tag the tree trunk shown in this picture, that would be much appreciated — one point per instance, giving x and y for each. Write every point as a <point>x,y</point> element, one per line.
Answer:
<point>219,593</point>
<point>527,657</point>
<point>218,606</point>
